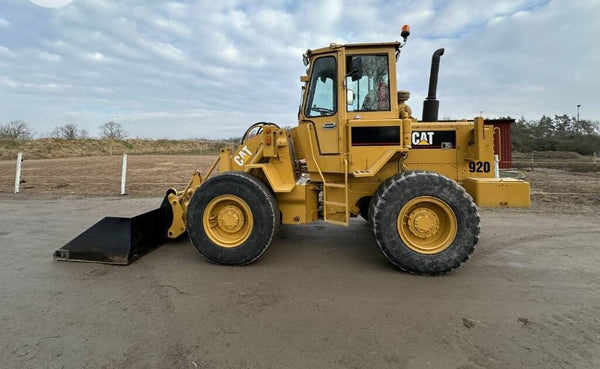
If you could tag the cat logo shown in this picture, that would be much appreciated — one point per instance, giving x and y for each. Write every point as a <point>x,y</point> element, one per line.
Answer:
<point>433,139</point>
<point>422,138</point>
<point>242,157</point>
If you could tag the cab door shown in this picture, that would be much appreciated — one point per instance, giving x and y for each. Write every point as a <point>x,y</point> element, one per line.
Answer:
<point>321,104</point>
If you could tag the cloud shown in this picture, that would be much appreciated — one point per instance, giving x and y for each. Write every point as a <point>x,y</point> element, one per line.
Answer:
<point>5,51</point>
<point>192,68</point>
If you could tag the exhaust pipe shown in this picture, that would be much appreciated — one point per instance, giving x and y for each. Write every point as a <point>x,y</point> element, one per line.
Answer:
<point>431,106</point>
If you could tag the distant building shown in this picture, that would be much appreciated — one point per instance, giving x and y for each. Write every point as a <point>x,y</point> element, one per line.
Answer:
<point>502,140</point>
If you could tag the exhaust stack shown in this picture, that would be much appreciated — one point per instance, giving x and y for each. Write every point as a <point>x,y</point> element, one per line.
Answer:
<point>431,106</point>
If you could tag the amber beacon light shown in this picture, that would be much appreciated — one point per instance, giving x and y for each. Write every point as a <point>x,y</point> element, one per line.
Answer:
<point>405,32</point>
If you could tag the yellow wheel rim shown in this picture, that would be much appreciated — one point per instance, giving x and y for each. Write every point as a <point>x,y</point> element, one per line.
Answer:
<point>228,221</point>
<point>427,225</point>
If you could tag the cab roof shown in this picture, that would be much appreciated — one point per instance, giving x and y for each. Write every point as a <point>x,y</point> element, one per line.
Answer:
<point>371,45</point>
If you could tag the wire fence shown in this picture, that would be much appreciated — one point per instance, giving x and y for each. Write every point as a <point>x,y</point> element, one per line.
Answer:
<point>564,161</point>
<point>152,175</point>
<point>105,175</point>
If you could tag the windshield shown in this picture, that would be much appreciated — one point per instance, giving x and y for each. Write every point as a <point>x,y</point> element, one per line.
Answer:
<point>371,91</point>
<point>322,97</point>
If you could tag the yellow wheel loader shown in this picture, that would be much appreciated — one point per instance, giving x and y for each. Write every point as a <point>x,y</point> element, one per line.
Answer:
<point>357,150</point>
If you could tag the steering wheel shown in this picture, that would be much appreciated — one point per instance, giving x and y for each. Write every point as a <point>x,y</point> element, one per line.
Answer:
<point>322,111</point>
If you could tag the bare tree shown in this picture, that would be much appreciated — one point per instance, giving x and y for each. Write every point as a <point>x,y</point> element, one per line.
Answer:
<point>15,130</point>
<point>113,131</point>
<point>69,131</point>
<point>55,133</point>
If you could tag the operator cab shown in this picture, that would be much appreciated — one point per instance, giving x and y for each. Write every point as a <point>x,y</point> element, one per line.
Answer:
<point>346,83</point>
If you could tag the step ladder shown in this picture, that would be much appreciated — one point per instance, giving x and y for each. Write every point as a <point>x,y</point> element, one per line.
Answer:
<point>331,186</point>
<point>335,186</point>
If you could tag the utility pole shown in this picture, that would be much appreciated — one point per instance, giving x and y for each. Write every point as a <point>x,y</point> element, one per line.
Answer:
<point>578,106</point>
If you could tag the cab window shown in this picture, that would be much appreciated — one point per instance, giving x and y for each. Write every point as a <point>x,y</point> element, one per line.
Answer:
<point>322,97</point>
<point>372,89</point>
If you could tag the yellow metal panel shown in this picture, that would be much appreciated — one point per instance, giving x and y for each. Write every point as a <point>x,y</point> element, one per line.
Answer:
<point>309,145</point>
<point>298,206</point>
<point>270,145</point>
<point>280,179</point>
<point>443,161</point>
<point>479,137</point>
<point>464,160</point>
<point>366,161</point>
<point>432,156</point>
<point>498,192</point>
<point>279,171</point>
<point>225,160</point>
<point>406,131</point>
<point>382,158</point>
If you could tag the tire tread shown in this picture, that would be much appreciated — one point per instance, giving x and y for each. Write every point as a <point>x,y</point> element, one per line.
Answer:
<point>405,182</point>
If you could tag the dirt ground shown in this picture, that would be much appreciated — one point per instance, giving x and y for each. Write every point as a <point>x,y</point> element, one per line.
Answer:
<point>147,175</point>
<point>564,191</point>
<point>322,296</point>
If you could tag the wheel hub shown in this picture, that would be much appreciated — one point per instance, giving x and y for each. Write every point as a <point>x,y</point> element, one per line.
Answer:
<point>427,225</point>
<point>423,222</point>
<point>230,219</point>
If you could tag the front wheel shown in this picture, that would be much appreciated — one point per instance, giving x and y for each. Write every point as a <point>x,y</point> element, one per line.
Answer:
<point>232,218</point>
<point>424,223</point>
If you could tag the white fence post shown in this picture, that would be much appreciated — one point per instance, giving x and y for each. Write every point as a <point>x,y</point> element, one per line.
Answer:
<point>18,175</point>
<point>123,174</point>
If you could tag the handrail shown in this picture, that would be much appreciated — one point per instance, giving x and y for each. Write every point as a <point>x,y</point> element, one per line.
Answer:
<point>312,153</point>
<point>499,141</point>
<point>346,190</point>
<point>334,185</point>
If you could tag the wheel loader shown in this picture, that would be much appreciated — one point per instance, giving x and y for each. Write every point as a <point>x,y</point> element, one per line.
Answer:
<point>356,151</point>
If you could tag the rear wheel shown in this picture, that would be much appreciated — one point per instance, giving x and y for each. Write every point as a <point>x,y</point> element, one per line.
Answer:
<point>424,223</point>
<point>232,218</point>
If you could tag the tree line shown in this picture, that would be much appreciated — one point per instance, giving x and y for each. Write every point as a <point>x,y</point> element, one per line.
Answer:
<point>19,130</point>
<point>561,133</point>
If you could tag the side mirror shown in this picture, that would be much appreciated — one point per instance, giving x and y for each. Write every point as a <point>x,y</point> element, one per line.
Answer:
<point>357,69</point>
<point>349,97</point>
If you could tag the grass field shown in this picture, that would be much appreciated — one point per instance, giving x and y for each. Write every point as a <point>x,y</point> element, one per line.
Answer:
<point>53,148</point>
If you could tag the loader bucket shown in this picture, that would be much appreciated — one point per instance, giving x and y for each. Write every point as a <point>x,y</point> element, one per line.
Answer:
<point>115,240</point>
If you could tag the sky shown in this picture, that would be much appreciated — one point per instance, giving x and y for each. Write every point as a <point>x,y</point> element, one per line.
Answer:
<point>195,68</point>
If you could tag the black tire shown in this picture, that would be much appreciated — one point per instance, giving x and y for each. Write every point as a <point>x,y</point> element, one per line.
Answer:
<point>261,204</point>
<point>363,207</point>
<point>396,193</point>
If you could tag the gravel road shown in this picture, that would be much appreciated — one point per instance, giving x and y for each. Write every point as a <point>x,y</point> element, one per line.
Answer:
<point>321,297</point>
